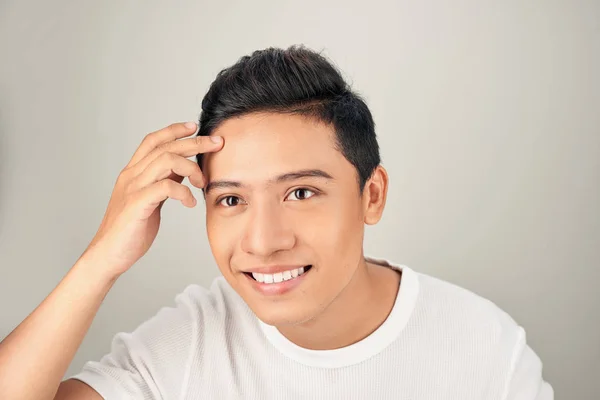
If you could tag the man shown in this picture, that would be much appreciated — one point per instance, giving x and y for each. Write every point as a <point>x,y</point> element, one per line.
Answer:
<point>289,164</point>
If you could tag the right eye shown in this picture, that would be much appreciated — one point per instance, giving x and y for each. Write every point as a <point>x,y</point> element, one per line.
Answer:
<point>229,201</point>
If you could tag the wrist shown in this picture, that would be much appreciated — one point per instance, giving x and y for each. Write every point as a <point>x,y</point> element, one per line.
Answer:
<point>94,264</point>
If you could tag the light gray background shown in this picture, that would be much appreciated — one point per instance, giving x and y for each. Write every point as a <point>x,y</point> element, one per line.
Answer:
<point>488,117</point>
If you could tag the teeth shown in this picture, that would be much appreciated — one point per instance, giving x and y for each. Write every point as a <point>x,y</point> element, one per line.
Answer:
<point>278,277</point>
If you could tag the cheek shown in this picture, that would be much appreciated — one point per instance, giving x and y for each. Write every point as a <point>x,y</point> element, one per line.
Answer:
<point>220,239</point>
<point>335,229</point>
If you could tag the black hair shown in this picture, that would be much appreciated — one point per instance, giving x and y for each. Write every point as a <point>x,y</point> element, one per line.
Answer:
<point>299,81</point>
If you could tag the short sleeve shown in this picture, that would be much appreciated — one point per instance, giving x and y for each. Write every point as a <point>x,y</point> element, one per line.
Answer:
<point>153,361</point>
<point>527,382</point>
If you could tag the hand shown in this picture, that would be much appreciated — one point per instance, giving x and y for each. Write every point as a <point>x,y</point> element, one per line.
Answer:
<point>155,173</point>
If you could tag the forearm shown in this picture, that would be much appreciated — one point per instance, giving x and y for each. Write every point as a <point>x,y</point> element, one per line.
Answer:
<point>35,356</point>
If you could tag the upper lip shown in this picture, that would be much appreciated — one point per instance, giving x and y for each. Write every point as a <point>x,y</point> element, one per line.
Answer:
<point>273,269</point>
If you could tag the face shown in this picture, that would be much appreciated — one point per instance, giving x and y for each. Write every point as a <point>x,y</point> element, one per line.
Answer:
<point>280,197</point>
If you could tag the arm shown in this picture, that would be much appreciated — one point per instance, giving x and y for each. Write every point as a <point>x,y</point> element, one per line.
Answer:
<point>74,389</point>
<point>35,356</point>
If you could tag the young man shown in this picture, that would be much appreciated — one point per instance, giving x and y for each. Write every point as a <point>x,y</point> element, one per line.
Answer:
<point>291,174</point>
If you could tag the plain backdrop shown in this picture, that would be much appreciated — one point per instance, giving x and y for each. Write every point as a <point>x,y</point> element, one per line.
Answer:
<point>487,114</point>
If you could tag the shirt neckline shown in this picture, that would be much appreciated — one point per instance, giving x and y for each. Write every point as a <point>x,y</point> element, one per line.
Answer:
<point>367,347</point>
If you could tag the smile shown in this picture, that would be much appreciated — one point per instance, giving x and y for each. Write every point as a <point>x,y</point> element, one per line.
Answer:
<point>279,282</point>
<point>279,276</point>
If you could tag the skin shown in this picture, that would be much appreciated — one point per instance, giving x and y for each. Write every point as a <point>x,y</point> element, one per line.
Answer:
<point>308,220</point>
<point>36,354</point>
<point>340,301</point>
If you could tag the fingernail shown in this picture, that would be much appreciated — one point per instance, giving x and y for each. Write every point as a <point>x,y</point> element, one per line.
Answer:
<point>190,125</point>
<point>216,139</point>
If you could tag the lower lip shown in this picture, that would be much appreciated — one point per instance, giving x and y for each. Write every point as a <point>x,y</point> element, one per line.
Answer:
<point>274,289</point>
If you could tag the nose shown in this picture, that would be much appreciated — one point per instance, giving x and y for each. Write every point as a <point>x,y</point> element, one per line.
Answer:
<point>267,232</point>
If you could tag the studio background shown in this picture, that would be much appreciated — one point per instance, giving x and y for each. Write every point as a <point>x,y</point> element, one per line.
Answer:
<point>487,113</point>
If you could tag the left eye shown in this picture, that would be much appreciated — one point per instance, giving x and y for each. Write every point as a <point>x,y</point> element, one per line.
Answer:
<point>302,194</point>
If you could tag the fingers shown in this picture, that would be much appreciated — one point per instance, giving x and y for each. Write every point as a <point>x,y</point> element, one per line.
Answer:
<point>172,166</point>
<point>185,148</point>
<point>160,164</point>
<point>155,139</point>
<point>151,196</point>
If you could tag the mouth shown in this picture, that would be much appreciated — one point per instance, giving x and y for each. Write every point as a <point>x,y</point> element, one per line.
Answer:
<point>279,277</point>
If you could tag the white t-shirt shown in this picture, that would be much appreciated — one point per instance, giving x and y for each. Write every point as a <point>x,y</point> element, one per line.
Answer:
<point>439,342</point>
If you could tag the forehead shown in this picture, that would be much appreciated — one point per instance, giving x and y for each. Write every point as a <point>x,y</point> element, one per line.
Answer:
<point>260,145</point>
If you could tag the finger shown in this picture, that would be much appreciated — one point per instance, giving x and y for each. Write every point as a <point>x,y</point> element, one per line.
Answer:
<point>150,197</point>
<point>184,148</point>
<point>169,165</point>
<point>168,134</point>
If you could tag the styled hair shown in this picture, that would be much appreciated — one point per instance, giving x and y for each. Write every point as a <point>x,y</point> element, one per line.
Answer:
<point>297,81</point>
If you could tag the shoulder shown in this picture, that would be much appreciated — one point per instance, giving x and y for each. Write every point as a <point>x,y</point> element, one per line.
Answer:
<point>458,308</point>
<point>158,355</point>
<point>477,337</point>
<point>467,328</point>
<point>474,337</point>
<point>175,329</point>
<point>212,306</point>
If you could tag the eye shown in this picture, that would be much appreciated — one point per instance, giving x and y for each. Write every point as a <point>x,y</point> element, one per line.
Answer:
<point>300,194</point>
<point>303,193</point>
<point>230,201</point>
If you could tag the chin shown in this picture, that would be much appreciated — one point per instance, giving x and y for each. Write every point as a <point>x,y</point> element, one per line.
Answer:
<point>282,317</point>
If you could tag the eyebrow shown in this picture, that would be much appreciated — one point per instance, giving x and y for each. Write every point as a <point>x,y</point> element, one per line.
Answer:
<point>290,176</point>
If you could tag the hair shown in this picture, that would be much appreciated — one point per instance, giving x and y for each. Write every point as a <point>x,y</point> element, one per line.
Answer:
<point>297,81</point>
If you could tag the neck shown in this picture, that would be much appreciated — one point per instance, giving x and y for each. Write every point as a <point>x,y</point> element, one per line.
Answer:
<point>358,311</point>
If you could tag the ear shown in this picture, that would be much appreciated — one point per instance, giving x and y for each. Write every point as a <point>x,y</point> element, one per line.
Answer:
<point>374,195</point>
